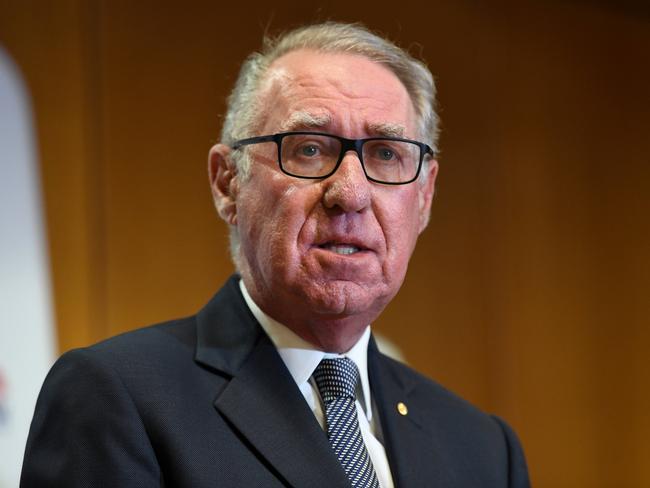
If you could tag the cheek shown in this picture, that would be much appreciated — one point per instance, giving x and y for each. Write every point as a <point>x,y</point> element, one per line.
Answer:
<point>400,224</point>
<point>272,218</point>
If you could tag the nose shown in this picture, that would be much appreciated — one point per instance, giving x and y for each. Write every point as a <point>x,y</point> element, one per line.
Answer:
<point>348,188</point>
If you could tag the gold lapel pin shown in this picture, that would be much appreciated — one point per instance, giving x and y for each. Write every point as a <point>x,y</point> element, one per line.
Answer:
<point>402,408</point>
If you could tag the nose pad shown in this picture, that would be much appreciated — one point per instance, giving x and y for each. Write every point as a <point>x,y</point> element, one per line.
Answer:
<point>348,188</point>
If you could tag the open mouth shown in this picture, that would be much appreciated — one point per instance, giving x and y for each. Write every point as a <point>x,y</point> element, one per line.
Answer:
<point>343,249</point>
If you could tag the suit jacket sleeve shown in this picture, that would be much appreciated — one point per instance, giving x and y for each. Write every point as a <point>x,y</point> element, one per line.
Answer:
<point>87,431</point>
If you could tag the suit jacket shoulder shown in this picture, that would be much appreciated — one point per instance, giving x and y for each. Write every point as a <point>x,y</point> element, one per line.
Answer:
<point>199,402</point>
<point>440,436</point>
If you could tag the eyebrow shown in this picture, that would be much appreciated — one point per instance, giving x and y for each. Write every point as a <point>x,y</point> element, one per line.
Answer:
<point>305,120</point>
<point>387,129</point>
<point>302,120</point>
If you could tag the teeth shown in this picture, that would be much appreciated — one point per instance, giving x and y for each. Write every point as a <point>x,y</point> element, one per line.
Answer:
<point>342,248</point>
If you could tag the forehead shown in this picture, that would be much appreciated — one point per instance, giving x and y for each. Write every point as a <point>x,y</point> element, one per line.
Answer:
<point>345,93</point>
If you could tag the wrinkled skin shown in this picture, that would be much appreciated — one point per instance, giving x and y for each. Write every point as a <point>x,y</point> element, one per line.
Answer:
<point>291,229</point>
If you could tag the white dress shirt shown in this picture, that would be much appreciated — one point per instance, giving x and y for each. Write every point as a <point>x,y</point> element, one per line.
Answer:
<point>301,359</point>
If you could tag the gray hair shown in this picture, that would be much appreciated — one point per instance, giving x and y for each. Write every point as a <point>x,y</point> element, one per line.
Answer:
<point>242,119</point>
<point>244,104</point>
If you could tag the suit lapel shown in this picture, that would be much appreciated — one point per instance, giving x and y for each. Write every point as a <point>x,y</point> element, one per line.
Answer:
<point>261,400</point>
<point>414,454</point>
<point>264,404</point>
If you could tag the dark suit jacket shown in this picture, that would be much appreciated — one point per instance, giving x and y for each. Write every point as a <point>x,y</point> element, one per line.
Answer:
<point>207,401</point>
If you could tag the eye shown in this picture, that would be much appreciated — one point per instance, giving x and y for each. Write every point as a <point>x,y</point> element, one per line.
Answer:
<point>385,154</point>
<point>309,150</point>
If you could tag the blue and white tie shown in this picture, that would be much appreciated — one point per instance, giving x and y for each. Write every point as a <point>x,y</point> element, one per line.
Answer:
<point>337,382</point>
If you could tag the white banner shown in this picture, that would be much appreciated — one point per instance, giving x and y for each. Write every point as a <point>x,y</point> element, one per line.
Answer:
<point>26,321</point>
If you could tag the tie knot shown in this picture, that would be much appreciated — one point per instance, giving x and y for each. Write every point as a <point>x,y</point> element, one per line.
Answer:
<point>336,378</point>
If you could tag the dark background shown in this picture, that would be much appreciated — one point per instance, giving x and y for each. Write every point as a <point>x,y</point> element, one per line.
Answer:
<point>528,293</point>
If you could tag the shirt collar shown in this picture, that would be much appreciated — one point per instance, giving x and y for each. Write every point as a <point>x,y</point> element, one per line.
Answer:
<point>301,357</point>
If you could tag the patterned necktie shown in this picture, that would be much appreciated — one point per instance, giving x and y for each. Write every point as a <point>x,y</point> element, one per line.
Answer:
<point>337,381</point>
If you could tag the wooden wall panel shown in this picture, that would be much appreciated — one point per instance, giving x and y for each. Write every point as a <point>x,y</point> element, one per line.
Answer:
<point>528,292</point>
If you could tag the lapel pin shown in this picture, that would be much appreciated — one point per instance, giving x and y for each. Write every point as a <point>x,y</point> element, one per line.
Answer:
<point>402,409</point>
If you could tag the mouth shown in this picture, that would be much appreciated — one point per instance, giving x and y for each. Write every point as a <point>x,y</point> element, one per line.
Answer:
<point>342,249</point>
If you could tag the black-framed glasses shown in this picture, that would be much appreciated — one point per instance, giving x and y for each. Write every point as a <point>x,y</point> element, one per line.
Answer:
<point>316,155</point>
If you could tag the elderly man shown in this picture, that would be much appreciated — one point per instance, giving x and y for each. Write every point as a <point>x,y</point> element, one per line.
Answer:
<point>325,175</point>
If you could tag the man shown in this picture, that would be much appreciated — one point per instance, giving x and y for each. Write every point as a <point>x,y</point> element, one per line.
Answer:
<point>326,186</point>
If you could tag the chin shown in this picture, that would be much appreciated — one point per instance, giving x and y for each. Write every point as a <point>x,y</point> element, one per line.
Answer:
<point>344,299</point>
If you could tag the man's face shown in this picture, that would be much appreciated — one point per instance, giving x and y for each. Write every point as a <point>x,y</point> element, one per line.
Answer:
<point>325,256</point>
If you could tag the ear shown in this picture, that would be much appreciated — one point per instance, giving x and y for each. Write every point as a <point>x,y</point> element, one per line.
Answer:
<point>223,182</point>
<point>427,190</point>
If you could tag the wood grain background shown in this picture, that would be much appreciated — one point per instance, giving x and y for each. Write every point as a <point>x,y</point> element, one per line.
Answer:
<point>528,294</point>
